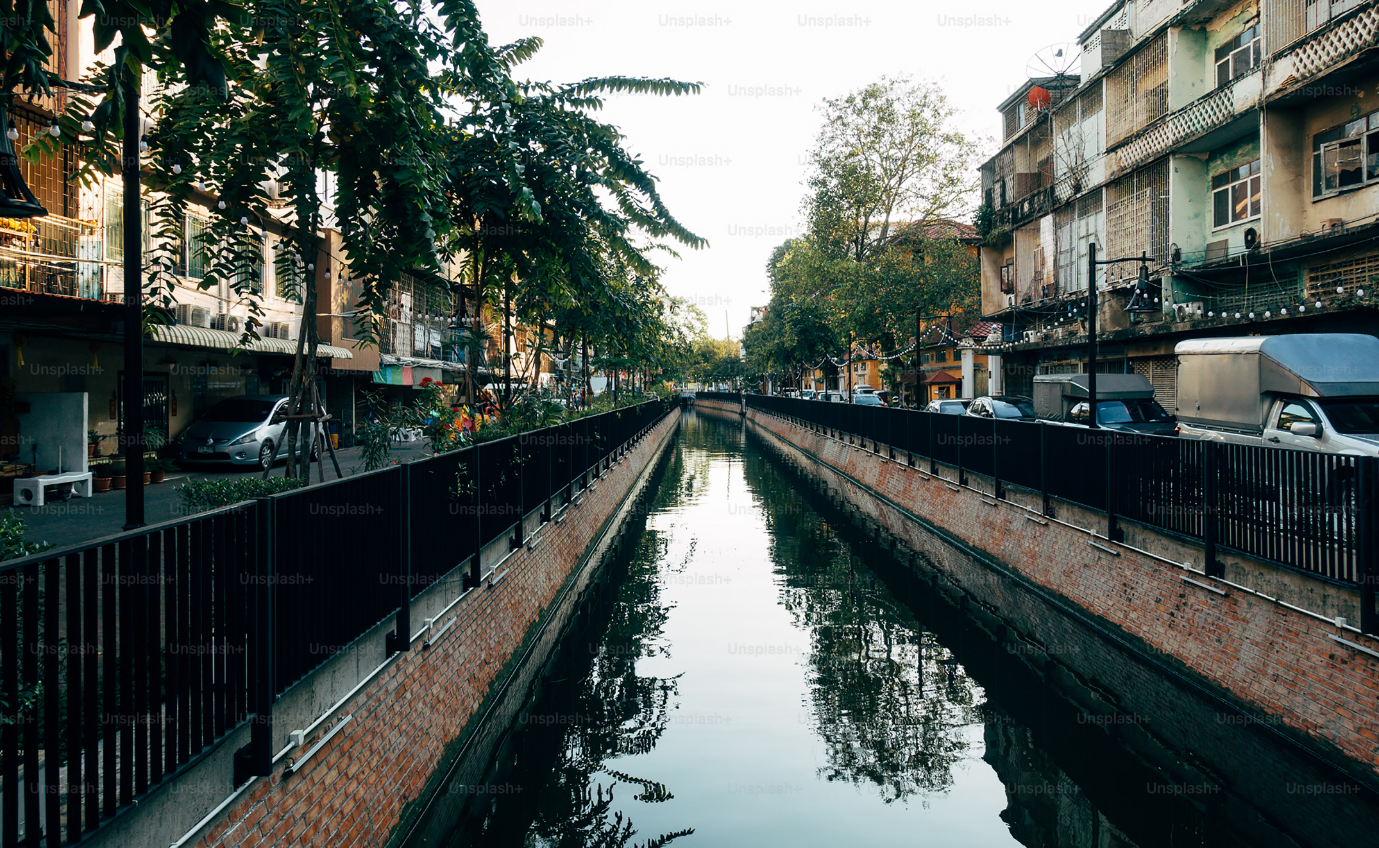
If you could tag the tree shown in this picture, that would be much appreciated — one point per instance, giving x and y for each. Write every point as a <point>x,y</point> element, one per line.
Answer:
<point>887,155</point>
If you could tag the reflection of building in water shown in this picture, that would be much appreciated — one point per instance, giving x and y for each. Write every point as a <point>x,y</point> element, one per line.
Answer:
<point>1045,808</point>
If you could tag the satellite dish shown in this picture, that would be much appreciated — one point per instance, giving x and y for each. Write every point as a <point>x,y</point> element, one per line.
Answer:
<point>1056,60</point>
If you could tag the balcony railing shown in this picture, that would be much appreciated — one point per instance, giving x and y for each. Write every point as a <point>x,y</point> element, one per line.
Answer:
<point>1199,117</point>
<point>52,255</point>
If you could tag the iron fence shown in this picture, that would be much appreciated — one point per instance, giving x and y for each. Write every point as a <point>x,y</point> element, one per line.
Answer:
<point>1307,511</point>
<point>124,661</point>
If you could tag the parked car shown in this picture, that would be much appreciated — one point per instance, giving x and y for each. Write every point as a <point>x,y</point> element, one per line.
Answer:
<point>832,397</point>
<point>1311,391</point>
<point>808,394</point>
<point>1008,407</point>
<point>949,406</point>
<point>868,399</point>
<point>1124,402</point>
<point>240,430</point>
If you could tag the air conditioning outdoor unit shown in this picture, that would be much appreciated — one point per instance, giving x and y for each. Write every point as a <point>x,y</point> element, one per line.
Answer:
<point>193,316</point>
<point>1187,311</point>
<point>228,323</point>
<point>278,330</point>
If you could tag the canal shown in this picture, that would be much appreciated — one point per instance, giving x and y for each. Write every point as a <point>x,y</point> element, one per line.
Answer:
<point>756,671</point>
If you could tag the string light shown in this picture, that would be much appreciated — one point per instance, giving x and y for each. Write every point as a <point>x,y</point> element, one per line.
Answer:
<point>176,169</point>
<point>143,146</point>
<point>12,134</point>
<point>55,130</point>
<point>87,126</point>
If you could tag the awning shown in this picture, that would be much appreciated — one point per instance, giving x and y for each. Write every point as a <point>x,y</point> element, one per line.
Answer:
<point>418,362</point>
<point>942,377</point>
<point>181,334</point>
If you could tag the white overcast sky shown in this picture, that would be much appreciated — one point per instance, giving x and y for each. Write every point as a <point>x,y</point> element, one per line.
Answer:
<point>731,161</point>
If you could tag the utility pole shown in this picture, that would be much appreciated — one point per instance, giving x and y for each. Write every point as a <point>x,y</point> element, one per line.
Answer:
<point>919,371</point>
<point>133,424</point>
<point>849,368</point>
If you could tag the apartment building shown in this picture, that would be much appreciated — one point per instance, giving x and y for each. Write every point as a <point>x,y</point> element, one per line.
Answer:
<point>62,287</point>
<point>1233,145</point>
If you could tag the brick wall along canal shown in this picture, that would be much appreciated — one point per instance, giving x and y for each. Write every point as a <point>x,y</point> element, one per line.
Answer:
<point>758,672</point>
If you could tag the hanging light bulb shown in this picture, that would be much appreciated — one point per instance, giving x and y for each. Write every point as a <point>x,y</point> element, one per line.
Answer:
<point>200,185</point>
<point>311,267</point>
<point>1360,293</point>
<point>1268,314</point>
<point>1340,289</point>
<point>55,131</point>
<point>143,146</point>
<point>1318,304</point>
<point>87,126</point>
<point>221,204</point>
<point>176,169</point>
<point>1237,315</point>
<point>244,219</point>
<point>1252,316</point>
<point>1302,309</point>
<point>1283,311</point>
<point>12,134</point>
<point>1211,314</point>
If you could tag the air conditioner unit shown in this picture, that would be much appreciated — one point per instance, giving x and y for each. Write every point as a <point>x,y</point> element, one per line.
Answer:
<point>193,316</point>
<point>278,330</point>
<point>1010,300</point>
<point>1187,311</point>
<point>228,323</point>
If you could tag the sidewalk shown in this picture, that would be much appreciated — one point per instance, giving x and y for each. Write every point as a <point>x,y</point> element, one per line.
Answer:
<point>84,519</point>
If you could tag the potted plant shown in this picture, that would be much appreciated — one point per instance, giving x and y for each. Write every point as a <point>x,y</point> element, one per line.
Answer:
<point>100,480</point>
<point>158,467</point>
<point>117,474</point>
<point>93,444</point>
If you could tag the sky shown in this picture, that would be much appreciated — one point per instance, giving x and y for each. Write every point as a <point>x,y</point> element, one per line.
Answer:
<point>732,161</point>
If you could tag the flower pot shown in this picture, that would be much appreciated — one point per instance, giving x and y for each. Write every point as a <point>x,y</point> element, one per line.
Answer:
<point>117,481</point>
<point>91,451</point>
<point>157,476</point>
<point>100,484</point>
<point>147,474</point>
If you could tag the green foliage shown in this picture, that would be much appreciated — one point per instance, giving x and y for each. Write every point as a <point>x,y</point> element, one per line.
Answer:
<point>12,538</point>
<point>201,495</point>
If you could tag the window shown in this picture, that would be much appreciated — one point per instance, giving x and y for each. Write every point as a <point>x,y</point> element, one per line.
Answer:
<point>194,247</point>
<point>1346,157</point>
<point>1235,195</point>
<point>1238,56</point>
<point>249,271</point>
<point>114,226</point>
<point>941,356</point>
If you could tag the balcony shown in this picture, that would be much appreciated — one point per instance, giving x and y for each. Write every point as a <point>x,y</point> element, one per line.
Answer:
<point>1199,120</point>
<point>52,255</point>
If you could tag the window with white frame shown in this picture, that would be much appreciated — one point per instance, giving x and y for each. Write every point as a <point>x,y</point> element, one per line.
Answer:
<point>1236,195</point>
<point>1346,157</point>
<point>1239,55</point>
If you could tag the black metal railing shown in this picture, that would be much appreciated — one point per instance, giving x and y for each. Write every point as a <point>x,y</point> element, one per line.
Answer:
<point>124,661</point>
<point>1307,511</point>
<point>725,397</point>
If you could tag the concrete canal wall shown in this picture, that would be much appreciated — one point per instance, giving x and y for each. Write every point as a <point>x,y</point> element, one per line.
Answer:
<point>393,734</point>
<point>1287,665</point>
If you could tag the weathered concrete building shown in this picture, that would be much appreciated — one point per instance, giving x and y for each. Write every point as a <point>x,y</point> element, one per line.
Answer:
<point>1234,144</point>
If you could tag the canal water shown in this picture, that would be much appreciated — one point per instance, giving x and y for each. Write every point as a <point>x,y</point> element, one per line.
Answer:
<point>757,672</point>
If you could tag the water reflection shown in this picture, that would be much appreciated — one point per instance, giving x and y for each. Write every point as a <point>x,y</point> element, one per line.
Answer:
<point>757,672</point>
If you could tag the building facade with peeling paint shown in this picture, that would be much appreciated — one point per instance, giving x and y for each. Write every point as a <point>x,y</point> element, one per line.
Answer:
<point>1233,145</point>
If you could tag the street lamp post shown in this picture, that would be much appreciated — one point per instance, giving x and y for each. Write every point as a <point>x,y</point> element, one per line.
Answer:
<point>1092,263</point>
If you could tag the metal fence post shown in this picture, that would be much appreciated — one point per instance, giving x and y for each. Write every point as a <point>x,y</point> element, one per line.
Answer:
<point>256,758</point>
<point>1210,507</point>
<point>1366,571</point>
<point>997,489</point>
<point>1043,469</point>
<point>401,637</point>
<point>1112,528</point>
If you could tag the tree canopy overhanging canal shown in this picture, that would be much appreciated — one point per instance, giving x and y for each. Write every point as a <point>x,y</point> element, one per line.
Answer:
<point>759,672</point>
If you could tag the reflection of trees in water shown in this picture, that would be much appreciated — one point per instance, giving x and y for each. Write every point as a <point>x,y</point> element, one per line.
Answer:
<point>616,711</point>
<point>887,699</point>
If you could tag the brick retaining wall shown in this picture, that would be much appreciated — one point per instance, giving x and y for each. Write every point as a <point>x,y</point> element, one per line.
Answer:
<point>407,722</point>
<point>1275,661</point>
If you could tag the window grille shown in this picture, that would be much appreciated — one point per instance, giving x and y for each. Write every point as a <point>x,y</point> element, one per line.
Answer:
<point>1137,214</point>
<point>1350,274</point>
<point>1137,91</point>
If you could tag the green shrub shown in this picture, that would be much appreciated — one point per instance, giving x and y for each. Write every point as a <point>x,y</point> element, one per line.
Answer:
<point>201,495</point>
<point>12,543</point>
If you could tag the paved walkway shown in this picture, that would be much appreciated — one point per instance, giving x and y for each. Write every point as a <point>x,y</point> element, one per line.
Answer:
<point>84,519</point>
